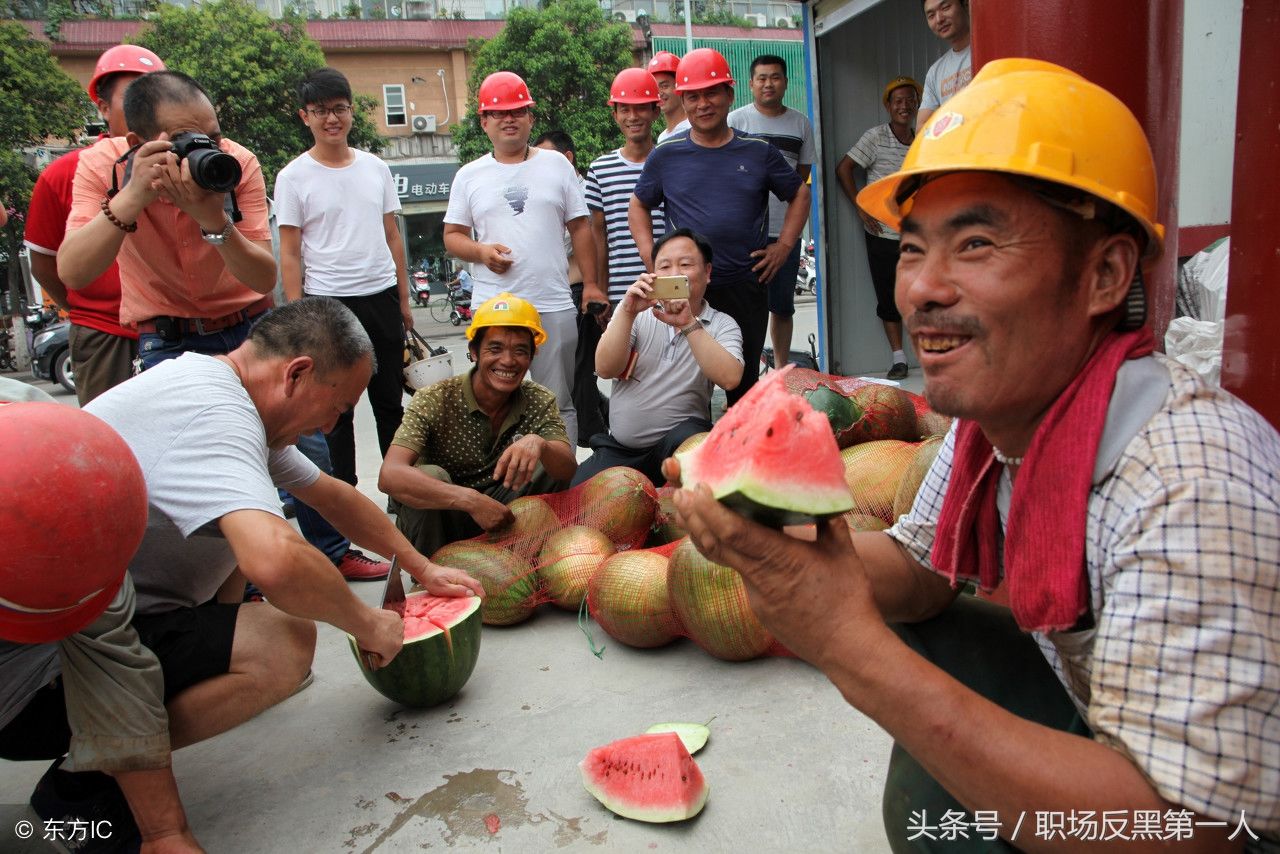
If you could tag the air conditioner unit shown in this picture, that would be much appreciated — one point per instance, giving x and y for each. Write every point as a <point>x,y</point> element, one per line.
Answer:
<point>758,18</point>
<point>628,15</point>
<point>423,124</point>
<point>785,24</point>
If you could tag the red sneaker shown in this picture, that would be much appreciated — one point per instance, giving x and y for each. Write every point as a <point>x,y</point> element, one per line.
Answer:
<point>357,566</point>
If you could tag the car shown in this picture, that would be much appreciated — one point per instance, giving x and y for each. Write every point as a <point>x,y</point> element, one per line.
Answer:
<point>51,355</point>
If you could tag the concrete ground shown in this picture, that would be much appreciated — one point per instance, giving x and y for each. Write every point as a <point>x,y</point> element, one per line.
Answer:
<point>337,768</point>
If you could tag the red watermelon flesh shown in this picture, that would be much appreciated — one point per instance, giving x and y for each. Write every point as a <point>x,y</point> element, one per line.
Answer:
<point>771,457</point>
<point>648,777</point>
<point>424,613</point>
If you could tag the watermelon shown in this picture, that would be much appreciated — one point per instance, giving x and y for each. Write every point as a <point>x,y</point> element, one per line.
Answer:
<point>710,601</point>
<point>567,562</point>
<point>441,645</point>
<point>772,457</point>
<point>887,413</point>
<point>534,522</point>
<point>648,777</point>
<point>510,586</point>
<point>627,596</point>
<point>620,502</point>
<point>842,413</point>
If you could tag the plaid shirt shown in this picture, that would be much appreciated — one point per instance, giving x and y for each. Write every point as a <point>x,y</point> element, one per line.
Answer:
<point>1182,669</point>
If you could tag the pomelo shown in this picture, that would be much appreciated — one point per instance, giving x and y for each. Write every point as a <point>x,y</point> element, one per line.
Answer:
<point>771,457</point>
<point>441,645</point>
<point>693,441</point>
<point>862,522</point>
<point>510,585</point>
<point>710,601</point>
<point>620,502</point>
<point>926,453</point>
<point>567,562</point>
<point>628,597</point>
<point>933,424</point>
<point>873,471</point>
<point>648,777</point>
<point>534,522</point>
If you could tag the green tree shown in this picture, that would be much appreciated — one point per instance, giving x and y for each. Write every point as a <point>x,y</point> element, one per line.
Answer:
<point>38,103</point>
<point>568,53</point>
<point>250,65</point>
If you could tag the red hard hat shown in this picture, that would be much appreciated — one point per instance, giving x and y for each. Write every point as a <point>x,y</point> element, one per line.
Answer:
<point>702,69</point>
<point>633,86</point>
<point>503,90</point>
<point>123,57</point>
<point>76,512</point>
<point>663,62</point>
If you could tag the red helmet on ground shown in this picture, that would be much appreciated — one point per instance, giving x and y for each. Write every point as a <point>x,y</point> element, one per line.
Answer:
<point>503,90</point>
<point>663,62</point>
<point>702,69</point>
<point>76,512</point>
<point>122,58</point>
<point>633,86</point>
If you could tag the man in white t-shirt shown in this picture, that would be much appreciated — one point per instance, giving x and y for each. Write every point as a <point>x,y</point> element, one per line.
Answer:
<point>788,131</point>
<point>507,210</point>
<point>336,208</point>
<point>949,20</point>
<point>663,68</point>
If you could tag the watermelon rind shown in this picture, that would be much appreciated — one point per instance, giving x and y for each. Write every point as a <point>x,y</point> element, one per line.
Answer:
<point>431,668</point>
<point>694,736</point>
<point>772,458</point>
<point>647,777</point>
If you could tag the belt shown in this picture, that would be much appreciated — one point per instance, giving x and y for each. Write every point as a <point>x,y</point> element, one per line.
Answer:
<point>204,325</point>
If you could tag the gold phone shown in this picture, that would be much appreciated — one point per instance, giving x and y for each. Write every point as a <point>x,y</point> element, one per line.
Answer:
<point>670,287</point>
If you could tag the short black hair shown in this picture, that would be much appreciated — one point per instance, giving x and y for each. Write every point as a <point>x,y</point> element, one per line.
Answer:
<point>323,84</point>
<point>768,59</point>
<point>561,140</point>
<point>704,245</point>
<point>150,91</point>
<point>320,327</point>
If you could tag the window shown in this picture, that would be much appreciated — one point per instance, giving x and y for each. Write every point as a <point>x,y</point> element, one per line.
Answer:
<point>393,105</point>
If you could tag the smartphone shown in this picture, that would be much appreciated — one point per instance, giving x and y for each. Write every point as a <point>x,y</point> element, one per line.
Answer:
<point>670,287</point>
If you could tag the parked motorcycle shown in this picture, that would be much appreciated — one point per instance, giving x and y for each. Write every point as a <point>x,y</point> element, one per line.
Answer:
<point>807,276</point>
<point>420,284</point>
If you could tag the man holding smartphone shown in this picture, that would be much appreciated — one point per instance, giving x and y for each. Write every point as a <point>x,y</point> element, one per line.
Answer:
<point>665,356</point>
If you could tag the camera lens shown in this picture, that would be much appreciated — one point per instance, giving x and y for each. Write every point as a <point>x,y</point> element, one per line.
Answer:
<point>214,170</point>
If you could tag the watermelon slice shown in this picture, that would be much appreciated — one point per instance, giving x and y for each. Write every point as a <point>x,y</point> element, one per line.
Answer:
<point>772,457</point>
<point>646,777</point>
<point>694,736</point>
<point>441,645</point>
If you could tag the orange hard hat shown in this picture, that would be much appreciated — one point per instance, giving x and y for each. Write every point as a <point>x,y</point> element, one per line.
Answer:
<point>663,62</point>
<point>1036,119</point>
<point>633,86</point>
<point>503,90</point>
<point>701,69</point>
<point>898,83</point>
<point>129,58</point>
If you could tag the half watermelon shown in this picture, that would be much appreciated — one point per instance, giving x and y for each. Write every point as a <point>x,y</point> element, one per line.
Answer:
<point>648,777</point>
<point>772,457</point>
<point>441,645</point>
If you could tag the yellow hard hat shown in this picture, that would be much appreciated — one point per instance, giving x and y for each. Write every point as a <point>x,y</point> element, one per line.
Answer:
<point>1032,118</point>
<point>507,309</point>
<point>898,83</point>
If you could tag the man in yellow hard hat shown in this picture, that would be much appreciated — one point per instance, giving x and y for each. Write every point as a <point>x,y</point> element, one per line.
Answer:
<point>1131,513</point>
<point>470,445</point>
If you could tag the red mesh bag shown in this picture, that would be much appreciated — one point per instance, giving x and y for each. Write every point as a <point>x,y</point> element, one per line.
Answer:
<point>879,412</point>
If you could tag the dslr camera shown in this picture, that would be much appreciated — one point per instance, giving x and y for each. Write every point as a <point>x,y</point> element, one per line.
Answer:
<point>211,167</point>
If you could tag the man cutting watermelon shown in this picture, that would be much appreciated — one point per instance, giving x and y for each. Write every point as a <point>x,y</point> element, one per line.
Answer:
<point>1130,512</point>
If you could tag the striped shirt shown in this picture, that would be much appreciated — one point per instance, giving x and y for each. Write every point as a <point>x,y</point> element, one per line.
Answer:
<point>1181,670</point>
<point>611,179</point>
<point>880,153</point>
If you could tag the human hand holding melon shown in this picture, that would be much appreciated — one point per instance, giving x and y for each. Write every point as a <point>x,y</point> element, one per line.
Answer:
<point>489,513</point>
<point>445,580</point>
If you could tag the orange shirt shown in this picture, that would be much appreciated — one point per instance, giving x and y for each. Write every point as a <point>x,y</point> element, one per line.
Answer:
<point>165,267</point>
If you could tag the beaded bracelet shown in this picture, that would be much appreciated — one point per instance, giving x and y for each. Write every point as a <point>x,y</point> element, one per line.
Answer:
<point>106,209</point>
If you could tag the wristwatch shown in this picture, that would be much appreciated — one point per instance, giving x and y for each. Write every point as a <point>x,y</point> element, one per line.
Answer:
<point>217,238</point>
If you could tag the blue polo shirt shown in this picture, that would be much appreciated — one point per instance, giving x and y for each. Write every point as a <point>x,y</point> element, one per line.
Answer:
<point>721,193</point>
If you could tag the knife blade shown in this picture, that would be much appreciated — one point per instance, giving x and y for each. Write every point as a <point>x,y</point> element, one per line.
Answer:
<point>393,592</point>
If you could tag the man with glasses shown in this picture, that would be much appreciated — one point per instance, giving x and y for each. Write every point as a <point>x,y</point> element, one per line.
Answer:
<point>507,209</point>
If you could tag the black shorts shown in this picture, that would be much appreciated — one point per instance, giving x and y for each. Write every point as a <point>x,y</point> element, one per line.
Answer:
<point>882,258</point>
<point>192,644</point>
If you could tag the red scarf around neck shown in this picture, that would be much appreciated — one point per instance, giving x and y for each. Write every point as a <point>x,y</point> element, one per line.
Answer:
<point>1044,541</point>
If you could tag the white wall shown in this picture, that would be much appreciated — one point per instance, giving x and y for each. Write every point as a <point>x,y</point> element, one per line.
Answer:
<point>1210,68</point>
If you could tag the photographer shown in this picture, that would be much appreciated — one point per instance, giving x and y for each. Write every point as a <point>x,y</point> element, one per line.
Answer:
<point>184,212</point>
<point>664,358</point>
